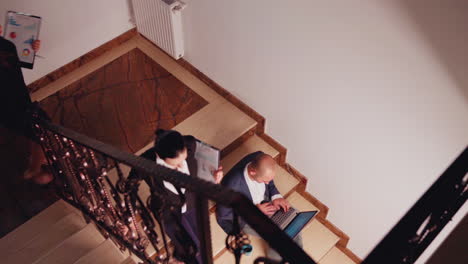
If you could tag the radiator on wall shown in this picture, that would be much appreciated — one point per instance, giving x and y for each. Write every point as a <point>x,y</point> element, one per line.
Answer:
<point>161,22</point>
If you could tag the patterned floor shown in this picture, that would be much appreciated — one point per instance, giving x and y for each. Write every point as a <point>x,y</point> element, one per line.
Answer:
<point>124,102</point>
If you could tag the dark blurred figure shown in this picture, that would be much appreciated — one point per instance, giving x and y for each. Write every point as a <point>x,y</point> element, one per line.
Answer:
<point>21,158</point>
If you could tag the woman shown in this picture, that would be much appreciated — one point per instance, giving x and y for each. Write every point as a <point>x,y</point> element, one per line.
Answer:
<point>174,151</point>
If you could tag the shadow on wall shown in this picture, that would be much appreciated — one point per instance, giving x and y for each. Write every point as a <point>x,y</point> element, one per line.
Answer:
<point>445,25</point>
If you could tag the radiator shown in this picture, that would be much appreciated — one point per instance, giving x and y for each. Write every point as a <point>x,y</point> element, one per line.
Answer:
<point>160,21</point>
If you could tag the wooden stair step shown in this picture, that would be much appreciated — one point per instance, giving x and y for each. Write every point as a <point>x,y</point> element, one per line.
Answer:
<point>300,203</point>
<point>218,124</point>
<point>284,181</point>
<point>336,256</point>
<point>106,253</point>
<point>218,236</point>
<point>74,247</point>
<point>46,240</point>
<point>253,144</point>
<point>128,260</point>
<point>35,225</point>
<point>317,239</point>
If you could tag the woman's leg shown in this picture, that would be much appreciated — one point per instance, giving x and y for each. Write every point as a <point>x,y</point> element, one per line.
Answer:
<point>181,239</point>
<point>189,221</point>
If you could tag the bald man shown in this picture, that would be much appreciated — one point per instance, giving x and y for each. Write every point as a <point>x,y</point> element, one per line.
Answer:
<point>254,177</point>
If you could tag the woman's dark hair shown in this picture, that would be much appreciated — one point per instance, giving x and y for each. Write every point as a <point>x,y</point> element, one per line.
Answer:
<point>168,143</point>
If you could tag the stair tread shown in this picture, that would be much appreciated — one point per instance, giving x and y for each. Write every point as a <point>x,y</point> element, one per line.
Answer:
<point>105,253</point>
<point>74,247</point>
<point>128,260</point>
<point>253,144</point>
<point>318,239</point>
<point>284,181</point>
<point>333,256</point>
<point>336,256</point>
<point>46,240</point>
<point>218,236</point>
<point>35,225</point>
<point>300,203</point>
<point>217,124</point>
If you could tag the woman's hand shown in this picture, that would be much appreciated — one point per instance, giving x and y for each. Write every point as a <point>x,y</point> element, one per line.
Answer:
<point>36,45</point>
<point>218,174</point>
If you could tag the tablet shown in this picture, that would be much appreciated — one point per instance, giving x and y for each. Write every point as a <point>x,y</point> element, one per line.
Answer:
<point>207,158</point>
<point>22,30</point>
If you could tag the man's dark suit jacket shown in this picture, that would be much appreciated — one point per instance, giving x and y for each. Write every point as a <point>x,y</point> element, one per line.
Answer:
<point>235,180</point>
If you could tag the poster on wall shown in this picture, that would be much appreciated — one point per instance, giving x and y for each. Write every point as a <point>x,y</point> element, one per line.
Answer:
<point>22,30</point>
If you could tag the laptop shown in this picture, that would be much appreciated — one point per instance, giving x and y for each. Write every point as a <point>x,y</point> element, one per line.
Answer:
<point>292,222</point>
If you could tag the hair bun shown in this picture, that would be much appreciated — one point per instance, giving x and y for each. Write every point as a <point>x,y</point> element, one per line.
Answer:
<point>160,132</point>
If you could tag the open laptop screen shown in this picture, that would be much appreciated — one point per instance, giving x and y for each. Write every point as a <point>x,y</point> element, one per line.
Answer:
<point>298,223</point>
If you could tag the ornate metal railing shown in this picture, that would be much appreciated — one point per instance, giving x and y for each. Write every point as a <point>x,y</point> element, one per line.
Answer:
<point>92,176</point>
<point>422,223</point>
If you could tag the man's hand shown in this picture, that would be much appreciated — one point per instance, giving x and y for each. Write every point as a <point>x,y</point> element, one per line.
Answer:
<point>281,203</point>
<point>218,174</point>
<point>267,208</point>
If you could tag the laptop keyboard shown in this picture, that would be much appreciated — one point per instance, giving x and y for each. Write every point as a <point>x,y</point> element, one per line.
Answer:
<point>282,219</point>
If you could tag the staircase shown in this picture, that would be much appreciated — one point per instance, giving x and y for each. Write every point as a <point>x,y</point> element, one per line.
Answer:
<point>60,234</point>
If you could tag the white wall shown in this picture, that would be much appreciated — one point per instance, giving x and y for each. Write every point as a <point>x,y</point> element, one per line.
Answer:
<point>370,109</point>
<point>70,28</point>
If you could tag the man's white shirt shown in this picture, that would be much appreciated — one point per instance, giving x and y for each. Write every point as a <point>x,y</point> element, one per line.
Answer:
<point>257,189</point>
